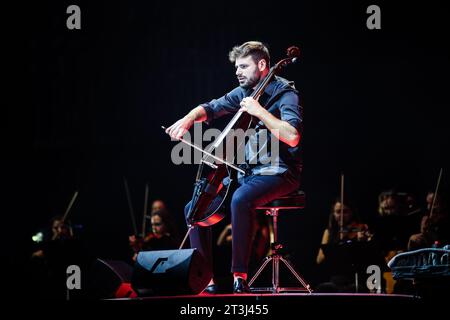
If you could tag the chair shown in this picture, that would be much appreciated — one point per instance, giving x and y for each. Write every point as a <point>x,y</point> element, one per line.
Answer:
<point>294,200</point>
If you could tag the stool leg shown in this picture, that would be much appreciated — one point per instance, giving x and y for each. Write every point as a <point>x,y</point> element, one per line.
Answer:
<point>276,274</point>
<point>299,278</point>
<point>266,261</point>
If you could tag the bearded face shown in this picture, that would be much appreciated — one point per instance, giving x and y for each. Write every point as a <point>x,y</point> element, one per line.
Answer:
<point>247,72</point>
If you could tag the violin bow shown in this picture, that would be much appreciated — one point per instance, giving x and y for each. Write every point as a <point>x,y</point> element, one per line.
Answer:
<point>144,218</point>
<point>341,220</point>
<point>212,165</point>
<point>435,193</point>
<point>130,206</point>
<point>70,205</point>
<point>67,212</point>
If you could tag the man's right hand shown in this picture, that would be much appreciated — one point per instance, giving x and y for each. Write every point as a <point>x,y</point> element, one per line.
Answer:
<point>179,128</point>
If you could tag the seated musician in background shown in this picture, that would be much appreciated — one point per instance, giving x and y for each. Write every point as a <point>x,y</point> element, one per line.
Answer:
<point>163,218</point>
<point>60,230</point>
<point>434,227</point>
<point>394,224</point>
<point>163,235</point>
<point>278,113</point>
<point>340,253</point>
<point>56,250</point>
<point>395,221</point>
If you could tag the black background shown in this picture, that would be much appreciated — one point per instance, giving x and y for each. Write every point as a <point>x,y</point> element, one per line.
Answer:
<point>88,105</point>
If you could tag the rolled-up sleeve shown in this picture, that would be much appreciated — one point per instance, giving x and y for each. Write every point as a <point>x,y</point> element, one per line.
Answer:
<point>290,110</point>
<point>229,103</point>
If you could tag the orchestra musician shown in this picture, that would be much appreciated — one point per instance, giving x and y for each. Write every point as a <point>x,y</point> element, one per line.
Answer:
<point>434,227</point>
<point>163,235</point>
<point>343,249</point>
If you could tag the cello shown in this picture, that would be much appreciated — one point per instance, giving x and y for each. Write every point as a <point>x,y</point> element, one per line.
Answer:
<point>203,212</point>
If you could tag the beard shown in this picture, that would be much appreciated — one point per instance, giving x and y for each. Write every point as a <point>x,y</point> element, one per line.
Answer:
<point>251,82</point>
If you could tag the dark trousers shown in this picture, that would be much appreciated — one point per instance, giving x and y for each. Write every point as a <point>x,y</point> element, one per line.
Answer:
<point>253,191</point>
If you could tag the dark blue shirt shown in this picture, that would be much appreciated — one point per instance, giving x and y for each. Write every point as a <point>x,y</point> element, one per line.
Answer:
<point>281,99</point>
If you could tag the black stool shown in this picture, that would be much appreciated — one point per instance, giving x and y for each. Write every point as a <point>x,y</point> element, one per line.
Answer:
<point>295,200</point>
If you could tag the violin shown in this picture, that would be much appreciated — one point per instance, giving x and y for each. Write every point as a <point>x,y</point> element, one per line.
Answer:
<point>207,188</point>
<point>137,242</point>
<point>355,231</point>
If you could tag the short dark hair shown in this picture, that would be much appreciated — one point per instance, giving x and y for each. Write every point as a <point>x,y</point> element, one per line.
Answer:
<point>257,50</point>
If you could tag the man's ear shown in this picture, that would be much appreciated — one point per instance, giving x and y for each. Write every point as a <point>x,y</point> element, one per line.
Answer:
<point>262,64</point>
